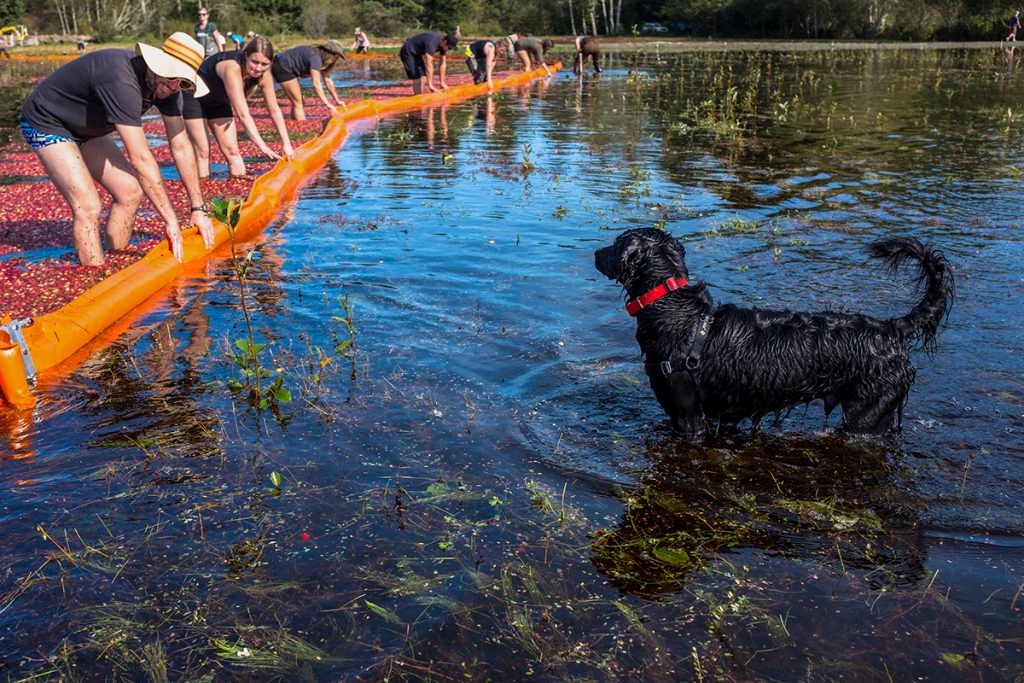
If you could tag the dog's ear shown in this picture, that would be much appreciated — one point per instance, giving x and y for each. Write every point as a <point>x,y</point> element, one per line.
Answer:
<point>632,253</point>
<point>675,252</point>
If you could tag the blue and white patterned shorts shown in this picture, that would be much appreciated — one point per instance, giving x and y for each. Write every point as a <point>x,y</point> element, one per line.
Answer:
<point>37,140</point>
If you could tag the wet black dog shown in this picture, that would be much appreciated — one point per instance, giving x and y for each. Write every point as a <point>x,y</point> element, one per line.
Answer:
<point>728,363</point>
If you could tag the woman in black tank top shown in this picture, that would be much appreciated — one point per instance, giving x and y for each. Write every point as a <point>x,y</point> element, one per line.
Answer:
<point>231,77</point>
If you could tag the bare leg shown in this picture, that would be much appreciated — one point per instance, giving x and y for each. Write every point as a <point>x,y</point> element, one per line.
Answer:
<point>66,167</point>
<point>200,137</point>
<point>108,166</point>
<point>227,139</point>
<point>293,92</point>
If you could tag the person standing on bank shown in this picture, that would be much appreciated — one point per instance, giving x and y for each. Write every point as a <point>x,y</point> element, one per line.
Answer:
<point>68,119</point>
<point>417,55</point>
<point>480,58</point>
<point>231,77</point>
<point>308,61</point>
<point>1014,25</point>
<point>207,34</point>
<point>529,48</point>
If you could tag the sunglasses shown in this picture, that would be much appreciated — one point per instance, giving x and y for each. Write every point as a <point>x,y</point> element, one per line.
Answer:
<point>182,83</point>
<point>202,14</point>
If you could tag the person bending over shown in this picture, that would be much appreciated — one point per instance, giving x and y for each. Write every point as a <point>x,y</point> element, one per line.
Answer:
<point>417,55</point>
<point>308,61</point>
<point>480,58</point>
<point>231,77</point>
<point>531,51</point>
<point>362,42</point>
<point>69,120</point>
<point>587,46</point>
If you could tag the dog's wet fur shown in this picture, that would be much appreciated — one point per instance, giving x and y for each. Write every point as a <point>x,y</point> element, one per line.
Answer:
<point>759,362</point>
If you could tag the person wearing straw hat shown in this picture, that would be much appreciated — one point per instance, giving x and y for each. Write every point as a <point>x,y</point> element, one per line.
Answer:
<point>417,55</point>
<point>68,120</point>
<point>362,44</point>
<point>231,77</point>
<point>308,61</point>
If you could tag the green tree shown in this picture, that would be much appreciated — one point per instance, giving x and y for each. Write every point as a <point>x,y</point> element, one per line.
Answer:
<point>282,14</point>
<point>445,15</point>
<point>11,11</point>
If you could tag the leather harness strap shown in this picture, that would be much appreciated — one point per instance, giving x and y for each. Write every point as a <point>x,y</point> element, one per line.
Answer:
<point>692,362</point>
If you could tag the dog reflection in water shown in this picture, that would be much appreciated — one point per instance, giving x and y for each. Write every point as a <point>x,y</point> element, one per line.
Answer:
<point>729,363</point>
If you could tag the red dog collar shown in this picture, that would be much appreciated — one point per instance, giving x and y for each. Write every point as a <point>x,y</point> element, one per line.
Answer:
<point>634,306</point>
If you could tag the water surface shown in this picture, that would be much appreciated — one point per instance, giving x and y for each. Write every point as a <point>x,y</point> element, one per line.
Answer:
<point>486,488</point>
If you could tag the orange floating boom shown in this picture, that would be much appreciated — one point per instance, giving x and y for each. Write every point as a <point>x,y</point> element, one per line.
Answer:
<point>54,337</point>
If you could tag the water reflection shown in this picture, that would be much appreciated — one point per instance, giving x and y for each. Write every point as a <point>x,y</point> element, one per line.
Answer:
<point>847,499</point>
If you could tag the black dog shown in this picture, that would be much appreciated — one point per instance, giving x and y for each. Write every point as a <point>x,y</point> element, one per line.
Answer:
<point>729,363</point>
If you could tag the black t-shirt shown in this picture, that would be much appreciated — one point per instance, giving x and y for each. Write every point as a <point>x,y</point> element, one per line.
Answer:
<point>299,61</point>
<point>87,97</point>
<point>208,72</point>
<point>477,48</point>
<point>424,44</point>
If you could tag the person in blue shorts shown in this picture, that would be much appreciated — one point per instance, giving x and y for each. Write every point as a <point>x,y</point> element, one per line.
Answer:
<point>417,55</point>
<point>69,119</point>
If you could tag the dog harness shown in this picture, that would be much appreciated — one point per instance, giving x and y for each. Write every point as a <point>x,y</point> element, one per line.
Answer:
<point>636,305</point>
<point>692,362</point>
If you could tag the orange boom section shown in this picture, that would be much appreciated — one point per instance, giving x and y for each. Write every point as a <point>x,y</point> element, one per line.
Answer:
<point>38,344</point>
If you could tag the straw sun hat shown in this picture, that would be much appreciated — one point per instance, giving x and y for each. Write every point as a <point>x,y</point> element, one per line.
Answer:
<point>179,57</point>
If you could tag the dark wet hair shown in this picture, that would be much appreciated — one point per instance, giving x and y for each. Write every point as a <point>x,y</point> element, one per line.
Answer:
<point>547,44</point>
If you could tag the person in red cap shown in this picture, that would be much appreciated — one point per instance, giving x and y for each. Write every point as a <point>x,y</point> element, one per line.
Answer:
<point>69,118</point>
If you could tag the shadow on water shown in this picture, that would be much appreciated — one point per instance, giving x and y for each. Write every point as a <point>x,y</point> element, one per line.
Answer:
<point>471,478</point>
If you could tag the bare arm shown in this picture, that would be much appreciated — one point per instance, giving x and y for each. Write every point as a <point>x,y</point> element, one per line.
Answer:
<point>270,97</point>
<point>428,61</point>
<point>148,172</point>
<point>232,75</point>
<point>329,82</point>
<point>185,161</point>
<point>444,67</point>
<point>317,77</point>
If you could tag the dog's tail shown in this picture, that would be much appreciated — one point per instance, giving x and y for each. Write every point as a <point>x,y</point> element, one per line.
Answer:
<point>936,278</point>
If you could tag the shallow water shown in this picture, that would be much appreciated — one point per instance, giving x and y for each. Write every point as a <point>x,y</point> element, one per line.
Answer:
<point>488,488</point>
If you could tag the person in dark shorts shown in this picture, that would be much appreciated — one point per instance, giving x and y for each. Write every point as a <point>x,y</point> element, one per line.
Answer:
<point>231,77</point>
<point>531,51</point>
<point>417,55</point>
<point>237,39</point>
<point>308,61</point>
<point>480,58</point>
<point>587,46</point>
<point>68,120</point>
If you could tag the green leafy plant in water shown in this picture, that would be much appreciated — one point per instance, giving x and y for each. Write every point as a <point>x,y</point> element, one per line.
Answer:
<point>229,213</point>
<point>528,164</point>
<point>346,347</point>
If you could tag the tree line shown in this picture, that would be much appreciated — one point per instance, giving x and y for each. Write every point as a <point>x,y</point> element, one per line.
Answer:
<point>792,19</point>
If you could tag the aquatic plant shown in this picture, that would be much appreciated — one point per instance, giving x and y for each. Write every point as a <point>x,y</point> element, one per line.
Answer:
<point>228,212</point>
